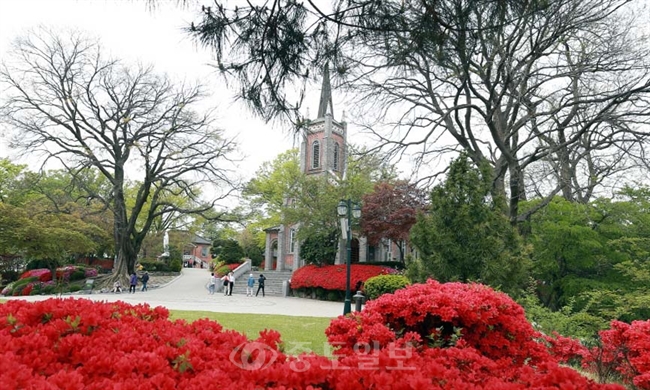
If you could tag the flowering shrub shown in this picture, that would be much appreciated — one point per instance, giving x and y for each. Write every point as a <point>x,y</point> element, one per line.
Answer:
<point>443,315</point>
<point>624,349</point>
<point>37,280</point>
<point>42,274</point>
<point>332,277</point>
<point>566,349</point>
<point>90,272</point>
<point>80,344</point>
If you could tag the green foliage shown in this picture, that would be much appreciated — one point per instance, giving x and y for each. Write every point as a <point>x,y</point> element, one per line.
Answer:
<point>333,295</point>
<point>37,264</point>
<point>616,304</point>
<point>320,249</point>
<point>565,321</point>
<point>175,265</point>
<point>274,182</point>
<point>580,248</point>
<point>398,265</point>
<point>249,241</point>
<point>78,274</point>
<point>465,237</point>
<point>384,284</point>
<point>289,197</point>
<point>9,276</point>
<point>231,252</point>
<point>175,255</point>
<point>159,266</point>
<point>222,270</point>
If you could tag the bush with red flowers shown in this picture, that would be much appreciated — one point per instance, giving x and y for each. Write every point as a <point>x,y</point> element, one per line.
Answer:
<point>443,315</point>
<point>333,277</point>
<point>80,344</point>
<point>42,274</point>
<point>623,349</point>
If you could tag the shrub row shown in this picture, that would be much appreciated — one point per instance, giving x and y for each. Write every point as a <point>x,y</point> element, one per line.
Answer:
<point>159,266</point>
<point>333,277</point>
<point>430,336</point>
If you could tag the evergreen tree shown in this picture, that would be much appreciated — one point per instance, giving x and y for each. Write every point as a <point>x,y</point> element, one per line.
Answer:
<point>465,237</point>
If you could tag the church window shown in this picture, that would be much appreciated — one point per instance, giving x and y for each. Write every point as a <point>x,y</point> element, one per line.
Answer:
<point>315,154</point>
<point>292,240</point>
<point>336,156</point>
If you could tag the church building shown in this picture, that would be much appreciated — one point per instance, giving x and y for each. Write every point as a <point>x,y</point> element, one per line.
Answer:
<point>323,151</point>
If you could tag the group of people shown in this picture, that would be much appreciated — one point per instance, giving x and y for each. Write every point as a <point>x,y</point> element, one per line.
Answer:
<point>228,281</point>
<point>133,282</point>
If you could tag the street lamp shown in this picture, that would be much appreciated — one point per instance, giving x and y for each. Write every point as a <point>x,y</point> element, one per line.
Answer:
<point>346,210</point>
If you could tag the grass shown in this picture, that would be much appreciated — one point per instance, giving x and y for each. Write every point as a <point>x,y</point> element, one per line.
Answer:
<point>300,334</point>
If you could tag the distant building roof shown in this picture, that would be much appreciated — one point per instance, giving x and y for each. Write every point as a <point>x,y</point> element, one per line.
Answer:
<point>200,240</point>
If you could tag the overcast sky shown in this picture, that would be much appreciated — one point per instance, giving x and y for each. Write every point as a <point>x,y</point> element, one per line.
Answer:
<point>132,32</point>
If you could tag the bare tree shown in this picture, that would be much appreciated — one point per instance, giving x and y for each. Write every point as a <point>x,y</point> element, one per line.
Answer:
<point>517,85</point>
<point>138,129</point>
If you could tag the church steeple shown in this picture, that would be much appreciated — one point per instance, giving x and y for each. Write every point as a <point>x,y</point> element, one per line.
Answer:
<point>323,150</point>
<point>325,105</point>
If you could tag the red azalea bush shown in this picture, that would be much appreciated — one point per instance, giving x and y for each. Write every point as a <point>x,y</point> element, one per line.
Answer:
<point>45,275</point>
<point>443,315</point>
<point>625,348</point>
<point>80,344</point>
<point>42,274</point>
<point>333,277</point>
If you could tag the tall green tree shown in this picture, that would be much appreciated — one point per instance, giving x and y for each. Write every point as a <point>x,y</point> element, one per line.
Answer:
<point>66,100</point>
<point>10,175</point>
<point>464,236</point>
<point>594,256</point>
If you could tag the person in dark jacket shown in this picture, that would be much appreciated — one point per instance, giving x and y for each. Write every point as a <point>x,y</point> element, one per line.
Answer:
<point>134,282</point>
<point>145,279</point>
<point>260,284</point>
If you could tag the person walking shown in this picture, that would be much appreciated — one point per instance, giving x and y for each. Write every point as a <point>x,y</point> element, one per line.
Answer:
<point>145,279</point>
<point>250,285</point>
<point>231,282</point>
<point>224,279</point>
<point>134,282</point>
<point>212,284</point>
<point>260,284</point>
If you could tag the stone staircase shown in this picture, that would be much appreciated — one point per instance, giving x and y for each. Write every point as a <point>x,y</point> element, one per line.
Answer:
<point>272,286</point>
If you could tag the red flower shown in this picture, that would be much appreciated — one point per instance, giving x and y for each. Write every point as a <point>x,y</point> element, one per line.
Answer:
<point>333,277</point>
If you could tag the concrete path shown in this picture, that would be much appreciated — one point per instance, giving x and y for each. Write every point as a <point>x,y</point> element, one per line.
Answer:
<point>189,292</point>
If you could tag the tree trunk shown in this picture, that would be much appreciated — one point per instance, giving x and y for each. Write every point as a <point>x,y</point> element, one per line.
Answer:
<point>517,190</point>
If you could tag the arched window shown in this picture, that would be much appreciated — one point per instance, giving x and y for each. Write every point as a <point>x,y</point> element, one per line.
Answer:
<point>315,154</point>
<point>336,156</point>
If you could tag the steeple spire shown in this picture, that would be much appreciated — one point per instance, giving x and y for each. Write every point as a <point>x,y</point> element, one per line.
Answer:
<point>325,105</point>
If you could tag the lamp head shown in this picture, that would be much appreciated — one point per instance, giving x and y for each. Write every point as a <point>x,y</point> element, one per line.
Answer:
<point>342,208</point>
<point>356,211</point>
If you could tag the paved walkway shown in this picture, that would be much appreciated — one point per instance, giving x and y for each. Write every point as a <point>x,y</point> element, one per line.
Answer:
<point>189,292</point>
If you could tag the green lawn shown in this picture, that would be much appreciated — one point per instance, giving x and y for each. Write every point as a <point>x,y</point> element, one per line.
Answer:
<point>300,334</point>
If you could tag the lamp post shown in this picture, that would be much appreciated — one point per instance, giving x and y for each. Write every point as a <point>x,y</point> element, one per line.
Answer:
<point>346,210</point>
